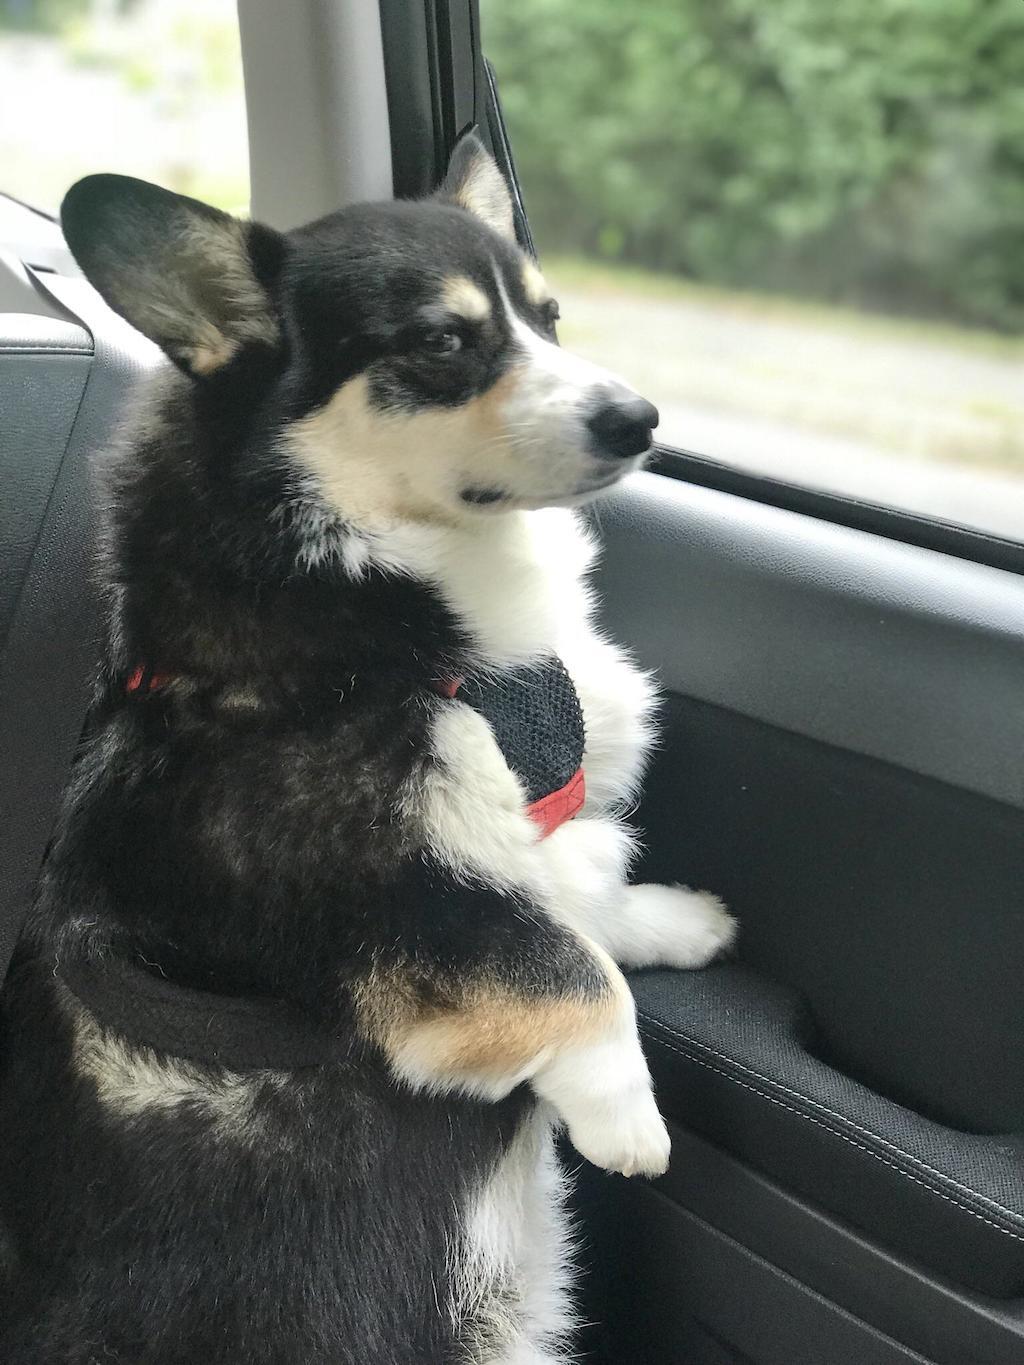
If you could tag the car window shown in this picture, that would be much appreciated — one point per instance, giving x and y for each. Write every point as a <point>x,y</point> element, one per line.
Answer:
<point>151,88</point>
<point>796,227</point>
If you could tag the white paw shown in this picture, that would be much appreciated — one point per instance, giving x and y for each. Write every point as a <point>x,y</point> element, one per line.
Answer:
<point>632,1140</point>
<point>677,927</point>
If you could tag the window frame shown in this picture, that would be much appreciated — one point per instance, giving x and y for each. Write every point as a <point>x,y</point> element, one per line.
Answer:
<point>879,519</point>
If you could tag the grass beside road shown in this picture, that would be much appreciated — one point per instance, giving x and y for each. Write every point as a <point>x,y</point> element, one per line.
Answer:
<point>598,277</point>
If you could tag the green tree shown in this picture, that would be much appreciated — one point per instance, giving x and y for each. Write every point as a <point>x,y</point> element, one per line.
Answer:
<point>40,16</point>
<point>870,151</point>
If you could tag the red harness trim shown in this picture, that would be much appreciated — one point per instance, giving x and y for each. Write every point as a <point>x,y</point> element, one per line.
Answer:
<point>557,808</point>
<point>549,812</point>
<point>145,680</point>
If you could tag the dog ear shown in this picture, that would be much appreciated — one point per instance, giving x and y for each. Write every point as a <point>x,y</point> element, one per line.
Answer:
<point>191,278</point>
<point>474,182</point>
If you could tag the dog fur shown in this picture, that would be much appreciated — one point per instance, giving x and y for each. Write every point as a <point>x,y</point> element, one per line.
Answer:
<point>358,480</point>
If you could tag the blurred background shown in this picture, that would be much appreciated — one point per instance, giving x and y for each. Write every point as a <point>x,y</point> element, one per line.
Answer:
<point>151,88</point>
<point>797,227</point>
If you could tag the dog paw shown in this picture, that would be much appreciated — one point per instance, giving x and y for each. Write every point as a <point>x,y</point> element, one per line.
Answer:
<point>678,927</point>
<point>631,1141</point>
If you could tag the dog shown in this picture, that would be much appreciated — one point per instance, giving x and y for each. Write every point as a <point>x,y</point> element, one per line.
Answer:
<point>327,945</point>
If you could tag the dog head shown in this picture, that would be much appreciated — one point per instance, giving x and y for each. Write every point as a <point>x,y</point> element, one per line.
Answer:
<point>403,355</point>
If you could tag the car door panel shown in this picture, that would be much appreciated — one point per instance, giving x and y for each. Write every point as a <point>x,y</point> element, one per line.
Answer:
<point>840,759</point>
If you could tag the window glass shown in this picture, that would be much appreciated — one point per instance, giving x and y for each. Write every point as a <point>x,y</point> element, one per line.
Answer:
<point>151,88</point>
<point>797,227</point>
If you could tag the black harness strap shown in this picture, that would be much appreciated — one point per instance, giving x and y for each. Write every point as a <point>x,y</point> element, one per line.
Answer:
<point>236,1032</point>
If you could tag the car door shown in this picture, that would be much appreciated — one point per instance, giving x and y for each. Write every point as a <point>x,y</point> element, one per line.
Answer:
<point>841,760</point>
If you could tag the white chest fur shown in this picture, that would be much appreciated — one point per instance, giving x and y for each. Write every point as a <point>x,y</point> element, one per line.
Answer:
<point>518,584</point>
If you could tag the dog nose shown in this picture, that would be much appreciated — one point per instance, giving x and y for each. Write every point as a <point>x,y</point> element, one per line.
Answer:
<point>621,425</point>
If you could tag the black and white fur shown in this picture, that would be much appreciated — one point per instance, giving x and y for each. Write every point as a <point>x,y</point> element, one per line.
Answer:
<point>357,480</point>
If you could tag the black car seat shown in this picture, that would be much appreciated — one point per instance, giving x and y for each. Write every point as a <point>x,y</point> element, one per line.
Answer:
<point>66,364</point>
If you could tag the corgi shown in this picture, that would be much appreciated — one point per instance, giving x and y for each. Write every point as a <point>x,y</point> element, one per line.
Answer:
<point>328,945</point>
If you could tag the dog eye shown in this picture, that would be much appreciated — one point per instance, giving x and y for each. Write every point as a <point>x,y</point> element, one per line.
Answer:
<point>441,343</point>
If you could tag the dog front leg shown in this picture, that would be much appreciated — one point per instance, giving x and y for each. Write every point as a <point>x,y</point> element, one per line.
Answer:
<point>638,926</point>
<point>657,926</point>
<point>556,1013</point>
<point>670,926</point>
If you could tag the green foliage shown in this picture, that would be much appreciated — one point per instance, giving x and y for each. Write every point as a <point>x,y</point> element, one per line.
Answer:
<point>40,16</point>
<point>870,151</point>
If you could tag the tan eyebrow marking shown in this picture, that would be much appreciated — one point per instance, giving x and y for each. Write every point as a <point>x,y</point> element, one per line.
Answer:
<point>534,283</point>
<point>467,299</point>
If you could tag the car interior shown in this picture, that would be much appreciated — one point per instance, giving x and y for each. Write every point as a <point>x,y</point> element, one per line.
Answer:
<point>841,759</point>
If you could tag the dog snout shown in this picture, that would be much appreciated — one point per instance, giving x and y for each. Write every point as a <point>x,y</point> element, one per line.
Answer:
<point>620,424</point>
